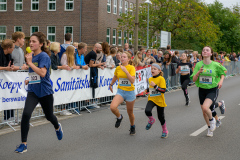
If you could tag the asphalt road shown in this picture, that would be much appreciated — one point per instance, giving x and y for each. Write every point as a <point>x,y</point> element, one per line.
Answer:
<point>94,137</point>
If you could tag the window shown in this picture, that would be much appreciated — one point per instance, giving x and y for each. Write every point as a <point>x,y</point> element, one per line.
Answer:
<point>125,37</point>
<point>120,7</point>
<point>108,35</point>
<point>130,38</point>
<point>120,38</point>
<point>3,5</point>
<point>33,29</point>
<point>18,5</point>
<point>17,28</point>
<point>51,33</point>
<point>114,37</point>
<point>35,5</point>
<point>115,7</point>
<point>3,32</point>
<point>68,29</point>
<point>69,5</point>
<point>51,5</point>
<point>109,6</point>
<point>126,7</point>
<point>131,8</point>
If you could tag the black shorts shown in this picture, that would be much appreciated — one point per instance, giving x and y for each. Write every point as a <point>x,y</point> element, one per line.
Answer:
<point>208,93</point>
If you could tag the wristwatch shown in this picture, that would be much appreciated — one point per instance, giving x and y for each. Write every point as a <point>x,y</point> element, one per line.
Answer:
<point>20,68</point>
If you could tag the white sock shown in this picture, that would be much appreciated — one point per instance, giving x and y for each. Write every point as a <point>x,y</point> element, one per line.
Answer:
<point>120,117</point>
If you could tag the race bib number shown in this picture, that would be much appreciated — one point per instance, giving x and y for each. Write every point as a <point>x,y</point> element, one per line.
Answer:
<point>124,82</point>
<point>185,69</point>
<point>153,92</point>
<point>34,78</point>
<point>205,79</point>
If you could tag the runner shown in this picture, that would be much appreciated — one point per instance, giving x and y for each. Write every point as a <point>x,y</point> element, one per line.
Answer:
<point>125,74</point>
<point>156,98</point>
<point>208,76</point>
<point>39,88</point>
<point>184,68</point>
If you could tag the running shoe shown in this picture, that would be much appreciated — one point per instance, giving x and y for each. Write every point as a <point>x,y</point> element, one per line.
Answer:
<point>209,133</point>
<point>212,125</point>
<point>150,123</point>
<point>218,123</point>
<point>187,101</point>
<point>21,148</point>
<point>59,132</point>
<point>164,135</point>
<point>118,122</point>
<point>132,130</point>
<point>222,107</point>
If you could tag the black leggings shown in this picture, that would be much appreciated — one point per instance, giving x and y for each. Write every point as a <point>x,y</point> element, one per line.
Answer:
<point>160,111</point>
<point>185,80</point>
<point>30,104</point>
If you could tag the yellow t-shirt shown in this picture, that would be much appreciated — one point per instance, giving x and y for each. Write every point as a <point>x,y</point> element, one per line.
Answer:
<point>123,81</point>
<point>154,96</point>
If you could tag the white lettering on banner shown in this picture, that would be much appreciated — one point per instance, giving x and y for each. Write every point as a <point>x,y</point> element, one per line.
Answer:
<point>141,80</point>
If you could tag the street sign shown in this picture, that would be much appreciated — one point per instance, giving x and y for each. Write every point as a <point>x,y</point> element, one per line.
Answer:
<point>165,39</point>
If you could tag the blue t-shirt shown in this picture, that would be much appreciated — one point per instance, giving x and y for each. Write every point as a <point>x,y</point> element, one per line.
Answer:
<point>43,88</point>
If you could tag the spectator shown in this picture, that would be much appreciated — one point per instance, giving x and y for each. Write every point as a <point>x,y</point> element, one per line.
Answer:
<point>175,58</point>
<point>68,40</point>
<point>142,50</point>
<point>154,52</point>
<point>166,62</point>
<point>6,49</point>
<point>126,48</point>
<point>137,61</point>
<point>109,59</point>
<point>169,50</point>
<point>233,57</point>
<point>158,57</point>
<point>227,57</point>
<point>55,61</point>
<point>18,54</point>
<point>117,58</point>
<point>48,44</point>
<point>149,59</point>
<point>105,50</point>
<point>75,44</point>
<point>199,57</point>
<point>79,55</point>
<point>68,58</point>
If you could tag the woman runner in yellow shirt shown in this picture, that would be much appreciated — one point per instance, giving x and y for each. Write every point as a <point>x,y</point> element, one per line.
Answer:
<point>156,98</point>
<point>125,74</point>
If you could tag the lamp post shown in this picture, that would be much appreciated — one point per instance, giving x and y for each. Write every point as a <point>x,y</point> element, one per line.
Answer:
<point>148,2</point>
<point>136,27</point>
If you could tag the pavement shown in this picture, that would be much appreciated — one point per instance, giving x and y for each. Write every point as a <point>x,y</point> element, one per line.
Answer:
<point>92,136</point>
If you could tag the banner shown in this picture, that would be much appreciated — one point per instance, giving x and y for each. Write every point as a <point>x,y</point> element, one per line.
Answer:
<point>142,76</point>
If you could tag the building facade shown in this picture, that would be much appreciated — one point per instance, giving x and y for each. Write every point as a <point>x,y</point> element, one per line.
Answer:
<point>89,21</point>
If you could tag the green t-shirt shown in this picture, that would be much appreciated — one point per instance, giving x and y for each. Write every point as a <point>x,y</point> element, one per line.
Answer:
<point>211,75</point>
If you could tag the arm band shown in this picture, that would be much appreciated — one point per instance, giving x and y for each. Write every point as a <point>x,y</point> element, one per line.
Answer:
<point>162,90</point>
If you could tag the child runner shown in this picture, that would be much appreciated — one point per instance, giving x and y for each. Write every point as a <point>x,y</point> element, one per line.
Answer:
<point>156,98</point>
<point>208,76</point>
<point>184,68</point>
<point>125,74</point>
<point>39,88</point>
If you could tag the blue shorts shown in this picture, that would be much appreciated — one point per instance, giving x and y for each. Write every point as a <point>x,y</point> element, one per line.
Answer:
<point>128,96</point>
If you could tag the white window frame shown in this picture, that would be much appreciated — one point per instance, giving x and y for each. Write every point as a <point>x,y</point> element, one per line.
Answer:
<point>52,2</point>
<point>51,34</point>
<point>15,6</point>
<point>16,27</point>
<point>5,34</point>
<point>2,3</point>
<point>108,36</point>
<point>115,2</point>
<point>65,32</point>
<point>72,1</point>
<point>126,7</point>
<point>34,3</point>
<point>130,38</point>
<point>120,6</point>
<point>109,5</point>
<point>125,40</point>
<point>31,29</point>
<point>114,37</point>
<point>119,38</point>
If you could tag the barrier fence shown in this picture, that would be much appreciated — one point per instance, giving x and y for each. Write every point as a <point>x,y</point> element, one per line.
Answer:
<point>72,90</point>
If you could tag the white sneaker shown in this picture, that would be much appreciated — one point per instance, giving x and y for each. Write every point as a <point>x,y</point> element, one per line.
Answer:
<point>95,105</point>
<point>209,133</point>
<point>212,125</point>
<point>65,113</point>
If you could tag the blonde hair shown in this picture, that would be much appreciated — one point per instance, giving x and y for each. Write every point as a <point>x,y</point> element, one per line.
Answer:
<point>129,57</point>
<point>70,55</point>
<point>17,35</point>
<point>136,60</point>
<point>154,50</point>
<point>75,43</point>
<point>55,47</point>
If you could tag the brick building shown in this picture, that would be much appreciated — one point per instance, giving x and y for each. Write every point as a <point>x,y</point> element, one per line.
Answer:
<point>89,21</point>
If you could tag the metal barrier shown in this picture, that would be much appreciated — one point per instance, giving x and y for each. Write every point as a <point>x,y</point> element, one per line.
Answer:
<point>13,117</point>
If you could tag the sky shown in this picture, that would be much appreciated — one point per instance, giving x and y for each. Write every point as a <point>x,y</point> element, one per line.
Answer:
<point>226,3</point>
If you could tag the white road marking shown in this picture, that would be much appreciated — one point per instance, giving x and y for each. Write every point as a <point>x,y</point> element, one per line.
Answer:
<point>197,132</point>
